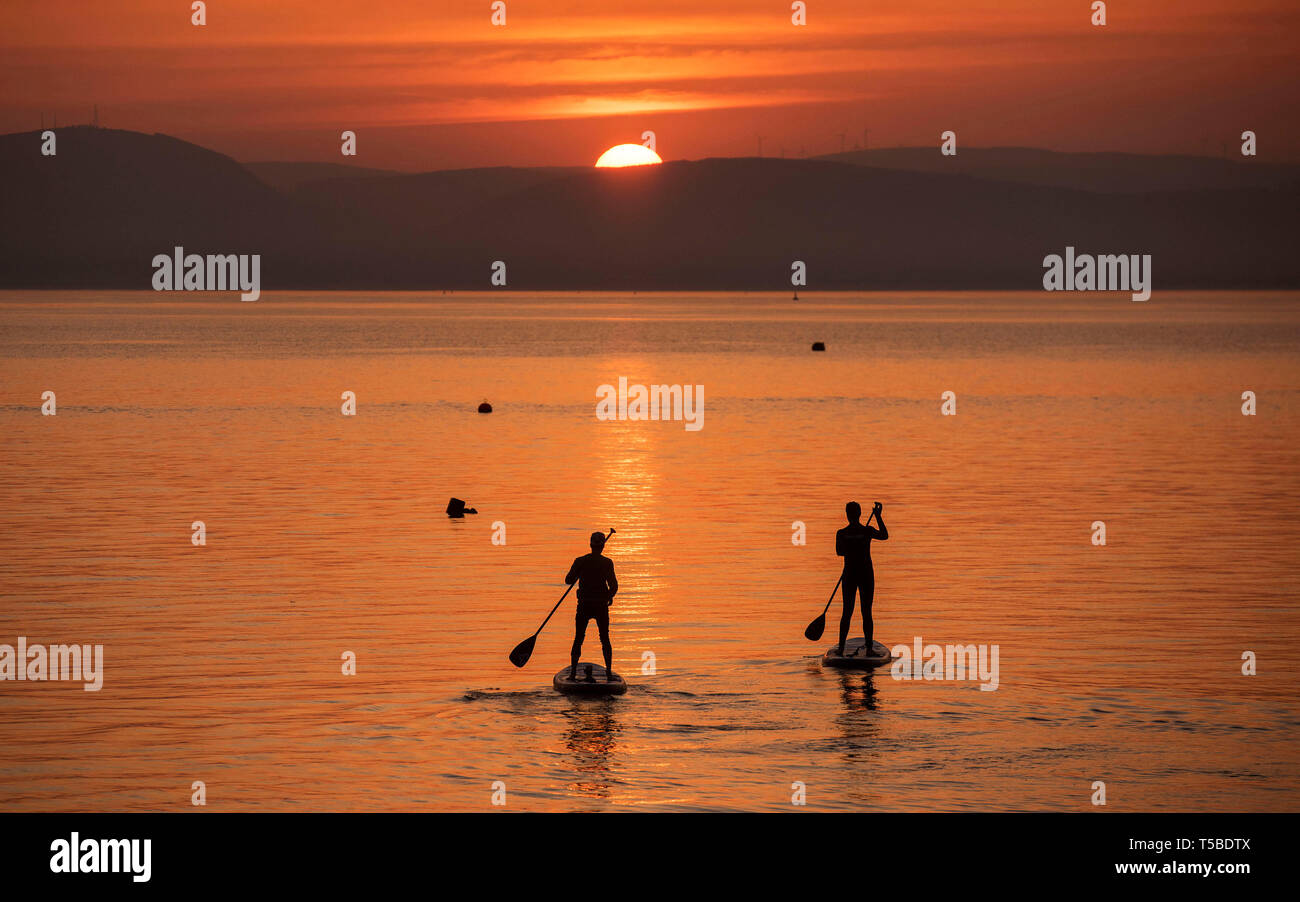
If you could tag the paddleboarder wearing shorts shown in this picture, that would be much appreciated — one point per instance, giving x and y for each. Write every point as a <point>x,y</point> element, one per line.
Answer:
<point>853,543</point>
<point>597,586</point>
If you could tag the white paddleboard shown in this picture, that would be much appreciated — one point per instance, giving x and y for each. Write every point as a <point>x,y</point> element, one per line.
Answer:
<point>591,681</point>
<point>853,657</point>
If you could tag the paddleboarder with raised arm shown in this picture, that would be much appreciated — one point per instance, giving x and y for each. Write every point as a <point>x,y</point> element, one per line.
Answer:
<point>853,543</point>
<point>597,586</point>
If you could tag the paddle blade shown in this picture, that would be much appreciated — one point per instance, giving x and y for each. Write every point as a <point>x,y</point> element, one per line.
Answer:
<point>815,629</point>
<point>523,651</point>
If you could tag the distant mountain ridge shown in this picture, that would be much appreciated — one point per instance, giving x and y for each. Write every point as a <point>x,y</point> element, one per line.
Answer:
<point>288,176</point>
<point>95,214</point>
<point>1126,173</point>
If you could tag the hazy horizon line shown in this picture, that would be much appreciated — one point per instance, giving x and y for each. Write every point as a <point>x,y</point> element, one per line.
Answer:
<point>820,157</point>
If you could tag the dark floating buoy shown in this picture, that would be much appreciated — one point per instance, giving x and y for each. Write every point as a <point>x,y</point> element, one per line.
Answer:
<point>796,295</point>
<point>485,407</point>
<point>457,508</point>
<point>819,345</point>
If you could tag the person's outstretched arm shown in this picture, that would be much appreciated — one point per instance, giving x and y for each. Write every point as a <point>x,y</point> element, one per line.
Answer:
<point>882,533</point>
<point>573,572</point>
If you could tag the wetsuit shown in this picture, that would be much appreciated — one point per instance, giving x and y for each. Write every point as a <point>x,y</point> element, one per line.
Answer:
<point>597,586</point>
<point>853,543</point>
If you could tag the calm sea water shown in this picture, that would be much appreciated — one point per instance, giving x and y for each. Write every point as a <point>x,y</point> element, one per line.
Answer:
<point>326,535</point>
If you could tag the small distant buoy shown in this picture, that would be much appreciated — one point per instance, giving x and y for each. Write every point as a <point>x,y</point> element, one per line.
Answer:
<point>485,407</point>
<point>819,345</point>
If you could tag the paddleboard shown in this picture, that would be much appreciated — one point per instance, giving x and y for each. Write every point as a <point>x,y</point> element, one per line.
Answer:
<point>595,684</point>
<point>853,657</point>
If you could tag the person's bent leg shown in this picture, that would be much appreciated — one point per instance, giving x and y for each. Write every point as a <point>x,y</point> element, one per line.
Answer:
<point>579,633</point>
<point>850,584</point>
<point>606,646</point>
<point>868,593</point>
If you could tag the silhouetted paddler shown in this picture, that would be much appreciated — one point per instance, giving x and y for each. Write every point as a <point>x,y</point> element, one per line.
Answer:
<point>597,586</point>
<point>853,543</point>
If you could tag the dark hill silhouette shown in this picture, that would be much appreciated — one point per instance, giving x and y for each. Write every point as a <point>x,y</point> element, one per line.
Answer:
<point>289,176</point>
<point>96,214</point>
<point>1127,173</point>
<point>411,204</point>
<point>725,223</point>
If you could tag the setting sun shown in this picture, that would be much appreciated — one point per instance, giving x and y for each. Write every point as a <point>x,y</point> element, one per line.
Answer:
<point>628,155</point>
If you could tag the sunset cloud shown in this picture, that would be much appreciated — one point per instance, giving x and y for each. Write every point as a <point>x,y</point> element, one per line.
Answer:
<point>328,64</point>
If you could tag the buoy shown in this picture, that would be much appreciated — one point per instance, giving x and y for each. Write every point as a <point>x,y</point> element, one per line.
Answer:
<point>819,346</point>
<point>457,508</point>
<point>485,407</point>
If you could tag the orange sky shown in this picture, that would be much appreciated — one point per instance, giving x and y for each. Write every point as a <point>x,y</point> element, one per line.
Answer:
<point>429,84</point>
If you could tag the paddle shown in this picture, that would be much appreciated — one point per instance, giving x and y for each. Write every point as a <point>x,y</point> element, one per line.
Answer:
<point>818,626</point>
<point>524,650</point>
